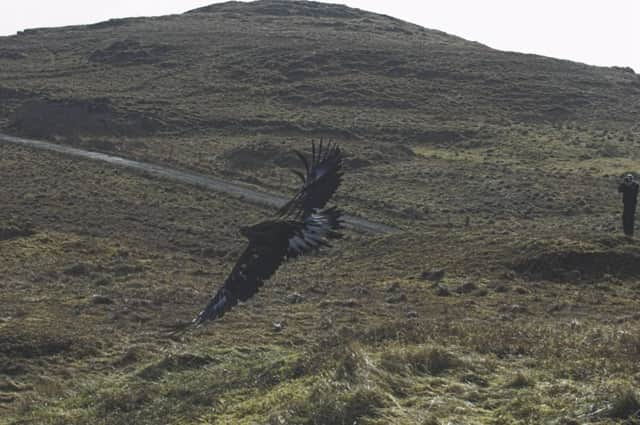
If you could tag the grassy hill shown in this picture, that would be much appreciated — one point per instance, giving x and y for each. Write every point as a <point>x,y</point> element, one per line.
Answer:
<point>498,168</point>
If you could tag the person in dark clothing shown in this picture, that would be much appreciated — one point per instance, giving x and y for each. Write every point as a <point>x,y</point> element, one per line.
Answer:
<point>629,190</point>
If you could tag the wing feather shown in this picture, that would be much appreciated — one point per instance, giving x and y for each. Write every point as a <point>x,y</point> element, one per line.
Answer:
<point>304,161</point>
<point>323,176</point>
<point>257,264</point>
<point>299,174</point>
<point>316,229</point>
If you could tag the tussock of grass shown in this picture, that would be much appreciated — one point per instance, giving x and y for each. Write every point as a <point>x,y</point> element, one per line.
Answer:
<point>14,228</point>
<point>520,380</point>
<point>174,363</point>
<point>348,362</point>
<point>122,400</point>
<point>625,404</point>
<point>419,360</point>
<point>330,402</point>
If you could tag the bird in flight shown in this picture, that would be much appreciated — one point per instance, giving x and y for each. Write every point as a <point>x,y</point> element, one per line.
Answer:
<point>301,226</point>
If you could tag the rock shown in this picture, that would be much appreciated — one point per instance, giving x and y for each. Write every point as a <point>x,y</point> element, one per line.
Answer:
<point>411,213</point>
<point>326,323</point>
<point>572,275</point>
<point>412,314</point>
<point>482,292</point>
<point>138,302</point>
<point>12,54</point>
<point>360,290</point>
<point>102,281</point>
<point>520,290</point>
<point>14,231</point>
<point>7,398</point>
<point>610,278</point>
<point>126,269</point>
<point>393,287</point>
<point>442,291</point>
<point>139,317</point>
<point>466,287</point>
<point>316,289</point>
<point>7,385</point>
<point>101,299</point>
<point>501,288</point>
<point>294,298</point>
<point>78,269</point>
<point>396,298</point>
<point>433,275</point>
<point>510,275</point>
<point>557,307</point>
<point>472,378</point>
<point>128,52</point>
<point>351,303</point>
<point>513,308</point>
<point>517,308</point>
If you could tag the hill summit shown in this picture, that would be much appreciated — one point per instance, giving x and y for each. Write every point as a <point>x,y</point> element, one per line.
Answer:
<point>299,67</point>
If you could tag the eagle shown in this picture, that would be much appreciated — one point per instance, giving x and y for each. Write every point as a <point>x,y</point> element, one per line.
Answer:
<point>300,226</point>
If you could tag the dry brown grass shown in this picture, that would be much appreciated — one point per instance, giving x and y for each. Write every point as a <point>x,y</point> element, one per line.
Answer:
<point>510,188</point>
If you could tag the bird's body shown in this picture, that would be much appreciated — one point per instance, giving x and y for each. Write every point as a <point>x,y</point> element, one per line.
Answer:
<point>267,232</point>
<point>302,226</point>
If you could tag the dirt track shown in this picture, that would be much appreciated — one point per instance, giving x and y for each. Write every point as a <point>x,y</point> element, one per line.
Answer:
<point>194,179</point>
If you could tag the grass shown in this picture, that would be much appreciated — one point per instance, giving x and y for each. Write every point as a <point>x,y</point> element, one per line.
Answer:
<point>457,145</point>
<point>335,361</point>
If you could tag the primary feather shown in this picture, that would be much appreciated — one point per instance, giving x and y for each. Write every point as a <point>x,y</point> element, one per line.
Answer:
<point>319,182</point>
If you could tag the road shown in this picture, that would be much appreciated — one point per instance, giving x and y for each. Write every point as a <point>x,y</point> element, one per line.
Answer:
<point>195,179</point>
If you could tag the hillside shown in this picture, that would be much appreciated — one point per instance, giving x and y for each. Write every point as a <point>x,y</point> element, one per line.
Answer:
<point>507,295</point>
<point>226,89</point>
<point>296,67</point>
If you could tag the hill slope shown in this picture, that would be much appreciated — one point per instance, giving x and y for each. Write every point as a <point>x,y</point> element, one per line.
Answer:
<point>291,66</point>
<point>231,88</point>
<point>507,296</point>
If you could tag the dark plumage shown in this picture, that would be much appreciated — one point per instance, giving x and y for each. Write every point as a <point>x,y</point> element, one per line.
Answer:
<point>322,178</point>
<point>302,226</point>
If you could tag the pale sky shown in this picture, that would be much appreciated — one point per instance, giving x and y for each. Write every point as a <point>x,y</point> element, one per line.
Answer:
<point>596,32</point>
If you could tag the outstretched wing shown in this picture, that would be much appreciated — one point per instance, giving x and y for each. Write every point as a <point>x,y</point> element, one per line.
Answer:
<point>256,264</point>
<point>319,182</point>
<point>259,261</point>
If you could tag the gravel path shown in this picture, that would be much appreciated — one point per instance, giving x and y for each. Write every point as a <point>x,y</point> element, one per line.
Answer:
<point>195,179</point>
